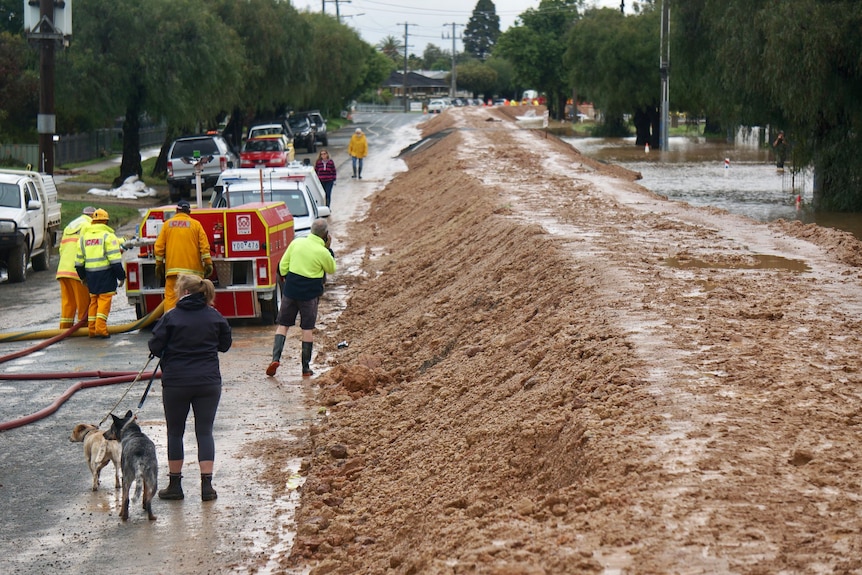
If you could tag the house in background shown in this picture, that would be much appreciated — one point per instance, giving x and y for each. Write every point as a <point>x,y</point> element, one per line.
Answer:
<point>418,87</point>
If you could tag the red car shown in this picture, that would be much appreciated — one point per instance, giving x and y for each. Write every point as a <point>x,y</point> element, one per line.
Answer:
<point>268,151</point>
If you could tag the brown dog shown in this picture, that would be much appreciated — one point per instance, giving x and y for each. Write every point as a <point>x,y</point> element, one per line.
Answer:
<point>98,451</point>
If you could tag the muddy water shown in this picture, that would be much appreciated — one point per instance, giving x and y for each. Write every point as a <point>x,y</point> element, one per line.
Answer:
<point>739,177</point>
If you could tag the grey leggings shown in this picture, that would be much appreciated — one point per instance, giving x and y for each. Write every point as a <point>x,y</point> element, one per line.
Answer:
<point>203,399</point>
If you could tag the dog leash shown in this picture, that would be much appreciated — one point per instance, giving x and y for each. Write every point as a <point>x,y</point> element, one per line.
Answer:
<point>150,384</point>
<point>128,389</point>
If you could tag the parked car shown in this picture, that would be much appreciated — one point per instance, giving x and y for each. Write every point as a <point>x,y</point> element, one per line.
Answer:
<point>437,105</point>
<point>270,129</point>
<point>211,149</point>
<point>272,151</point>
<point>319,125</point>
<point>303,132</point>
<point>296,185</point>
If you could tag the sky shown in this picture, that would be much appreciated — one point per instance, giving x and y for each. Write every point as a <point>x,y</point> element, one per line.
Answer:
<point>428,21</point>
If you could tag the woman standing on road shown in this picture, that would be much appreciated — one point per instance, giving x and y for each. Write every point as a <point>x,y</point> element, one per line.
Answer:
<point>325,169</point>
<point>188,339</point>
<point>357,149</point>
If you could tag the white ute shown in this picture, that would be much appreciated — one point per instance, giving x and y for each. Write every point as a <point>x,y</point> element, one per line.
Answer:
<point>29,221</point>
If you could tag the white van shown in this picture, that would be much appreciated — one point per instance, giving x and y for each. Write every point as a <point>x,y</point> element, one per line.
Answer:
<point>437,105</point>
<point>296,185</point>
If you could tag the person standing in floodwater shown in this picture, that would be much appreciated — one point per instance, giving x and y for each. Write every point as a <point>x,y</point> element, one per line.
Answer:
<point>780,147</point>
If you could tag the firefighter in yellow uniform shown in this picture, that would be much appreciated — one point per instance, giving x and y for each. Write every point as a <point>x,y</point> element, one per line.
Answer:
<point>99,263</point>
<point>74,296</point>
<point>181,248</point>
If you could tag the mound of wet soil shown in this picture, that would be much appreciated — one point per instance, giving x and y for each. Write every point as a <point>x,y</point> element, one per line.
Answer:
<point>552,370</point>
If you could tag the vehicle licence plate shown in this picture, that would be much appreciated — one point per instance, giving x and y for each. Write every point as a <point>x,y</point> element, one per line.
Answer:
<point>246,246</point>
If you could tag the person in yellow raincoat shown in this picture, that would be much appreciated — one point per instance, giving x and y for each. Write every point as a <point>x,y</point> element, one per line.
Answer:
<point>181,248</point>
<point>74,296</point>
<point>99,263</point>
<point>357,149</point>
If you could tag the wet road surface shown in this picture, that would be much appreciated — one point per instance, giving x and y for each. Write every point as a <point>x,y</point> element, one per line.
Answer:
<point>54,523</point>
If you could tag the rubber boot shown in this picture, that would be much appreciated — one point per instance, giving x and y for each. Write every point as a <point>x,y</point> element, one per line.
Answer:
<point>277,348</point>
<point>354,171</point>
<point>306,358</point>
<point>174,490</point>
<point>360,173</point>
<point>207,491</point>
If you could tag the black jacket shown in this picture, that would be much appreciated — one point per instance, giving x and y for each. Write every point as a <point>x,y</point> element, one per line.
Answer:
<point>188,339</point>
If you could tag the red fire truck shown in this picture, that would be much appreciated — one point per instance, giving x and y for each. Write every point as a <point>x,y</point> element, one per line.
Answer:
<point>246,243</point>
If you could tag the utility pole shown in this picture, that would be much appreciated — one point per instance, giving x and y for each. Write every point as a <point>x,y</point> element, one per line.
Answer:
<point>44,32</point>
<point>404,76</point>
<point>337,7</point>
<point>664,70</point>
<point>454,85</point>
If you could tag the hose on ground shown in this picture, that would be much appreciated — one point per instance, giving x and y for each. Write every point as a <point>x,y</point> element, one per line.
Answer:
<point>55,405</point>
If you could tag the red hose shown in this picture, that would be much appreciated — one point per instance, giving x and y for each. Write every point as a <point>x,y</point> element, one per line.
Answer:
<point>66,395</point>
<point>62,375</point>
<point>45,343</point>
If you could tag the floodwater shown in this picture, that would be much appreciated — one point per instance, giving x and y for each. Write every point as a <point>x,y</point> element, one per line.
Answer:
<point>739,177</point>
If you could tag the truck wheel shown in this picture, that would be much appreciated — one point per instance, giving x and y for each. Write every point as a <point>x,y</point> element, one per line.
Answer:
<point>312,145</point>
<point>17,264</point>
<point>42,262</point>
<point>174,192</point>
<point>325,140</point>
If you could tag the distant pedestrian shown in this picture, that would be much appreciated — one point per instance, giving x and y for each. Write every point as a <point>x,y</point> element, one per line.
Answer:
<point>304,266</point>
<point>74,296</point>
<point>188,341</point>
<point>181,248</point>
<point>357,149</point>
<point>99,263</point>
<point>780,147</point>
<point>325,169</point>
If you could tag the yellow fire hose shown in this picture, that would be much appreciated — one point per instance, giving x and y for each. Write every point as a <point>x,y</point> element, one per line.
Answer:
<point>84,332</point>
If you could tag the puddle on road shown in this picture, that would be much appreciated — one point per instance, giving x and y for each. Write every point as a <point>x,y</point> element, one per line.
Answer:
<point>750,262</point>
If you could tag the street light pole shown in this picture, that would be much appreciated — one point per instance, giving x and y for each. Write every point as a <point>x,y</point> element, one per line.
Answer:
<point>664,69</point>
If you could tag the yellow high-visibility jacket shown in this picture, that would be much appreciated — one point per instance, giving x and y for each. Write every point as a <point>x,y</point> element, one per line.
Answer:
<point>69,247</point>
<point>99,260</point>
<point>183,246</point>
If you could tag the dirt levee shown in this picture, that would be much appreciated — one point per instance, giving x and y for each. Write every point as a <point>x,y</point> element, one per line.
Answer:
<point>552,370</point>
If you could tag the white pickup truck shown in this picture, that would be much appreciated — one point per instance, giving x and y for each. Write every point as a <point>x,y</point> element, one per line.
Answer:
<point>29,221</point>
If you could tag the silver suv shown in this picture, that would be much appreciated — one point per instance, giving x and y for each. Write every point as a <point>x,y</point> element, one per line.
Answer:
<point>214,153</point>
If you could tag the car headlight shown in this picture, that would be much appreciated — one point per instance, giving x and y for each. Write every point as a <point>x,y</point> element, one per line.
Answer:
<point>7,227</point>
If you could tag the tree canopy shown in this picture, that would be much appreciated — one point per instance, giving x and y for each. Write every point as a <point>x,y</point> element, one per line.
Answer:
<point>482,30</point>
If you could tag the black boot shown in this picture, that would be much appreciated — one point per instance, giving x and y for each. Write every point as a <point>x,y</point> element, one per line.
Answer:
<point>306,358</point>
<point>207,491</point>
<point>354,172</point>
<point>360,173</point>
<point>174,490</point>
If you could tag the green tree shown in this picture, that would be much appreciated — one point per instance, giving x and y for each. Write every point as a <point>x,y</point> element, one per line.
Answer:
<point>505,86</point>
<point>433,58</point>
<point>12,16</point>
<point>477,77</point>
<point>337,64</point>
<point>392,48</point>
<point>536,49</point>
<point>613,61</point>
<point>793,65</point>
<point>19,88</point>
<point>173,59</point>
<point>482,30</point>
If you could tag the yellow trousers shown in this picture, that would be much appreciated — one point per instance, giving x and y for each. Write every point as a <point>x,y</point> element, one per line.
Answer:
<point>74,300</point>
<point>100,308</point>
<point>171,297</point>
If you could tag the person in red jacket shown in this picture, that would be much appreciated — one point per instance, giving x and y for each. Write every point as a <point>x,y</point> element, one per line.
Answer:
<point>325,169</point>
<point>181,248</point>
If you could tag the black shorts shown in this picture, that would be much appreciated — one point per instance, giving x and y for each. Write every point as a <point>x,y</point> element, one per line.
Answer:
<point>306,308</point>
